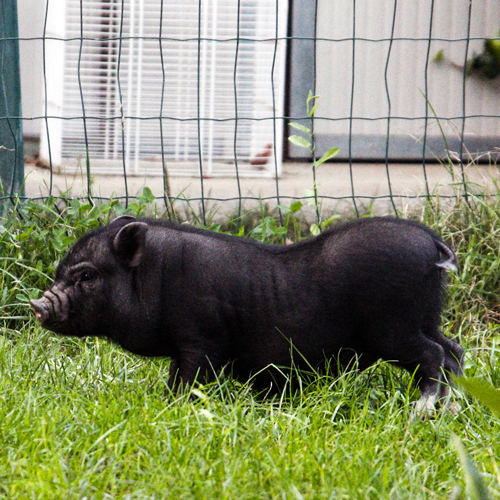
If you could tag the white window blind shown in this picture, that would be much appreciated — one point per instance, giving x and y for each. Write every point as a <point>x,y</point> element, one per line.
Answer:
<point>144,82</point>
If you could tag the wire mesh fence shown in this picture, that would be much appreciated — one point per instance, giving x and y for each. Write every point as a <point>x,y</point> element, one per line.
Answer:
<point>196,101</point>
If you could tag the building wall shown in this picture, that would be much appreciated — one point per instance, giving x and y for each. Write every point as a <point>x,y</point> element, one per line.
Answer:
<point>407,67</point>
<point>31,19</point>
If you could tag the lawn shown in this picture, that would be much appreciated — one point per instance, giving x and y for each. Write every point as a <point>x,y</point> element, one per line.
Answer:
<point>84,419</point>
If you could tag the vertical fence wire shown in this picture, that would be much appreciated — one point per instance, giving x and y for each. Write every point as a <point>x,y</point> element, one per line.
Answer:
<point>351,107</point>
<point>166,181</point>
<point>313,140</point>
<point>235,89</point>
<point>464,110</point>
<point>389,108</point>
<point>426,97</point>
<point>273,68</point>
<point>84,116</point>
<point>198,110</point>
<point>120,97</point>
<point>45,93</point>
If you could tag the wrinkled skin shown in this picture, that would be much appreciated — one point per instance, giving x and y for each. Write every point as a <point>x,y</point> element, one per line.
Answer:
<point>373,286</point>
<point>94,293</point>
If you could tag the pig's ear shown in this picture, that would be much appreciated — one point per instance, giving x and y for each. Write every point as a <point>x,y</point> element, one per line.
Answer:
<point>129,243</point>
<point>123,217</point>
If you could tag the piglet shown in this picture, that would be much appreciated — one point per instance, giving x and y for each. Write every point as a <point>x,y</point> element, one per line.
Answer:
<point>373,287</point>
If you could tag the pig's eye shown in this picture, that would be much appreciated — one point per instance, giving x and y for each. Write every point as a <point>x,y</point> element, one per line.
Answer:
<point>86,275</point>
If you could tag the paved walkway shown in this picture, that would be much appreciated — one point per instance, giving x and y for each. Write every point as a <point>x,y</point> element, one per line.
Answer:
<point>333,179</point>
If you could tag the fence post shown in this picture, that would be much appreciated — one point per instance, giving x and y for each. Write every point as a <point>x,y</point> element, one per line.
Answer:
<point>11,129</point>
<point>301,65</point>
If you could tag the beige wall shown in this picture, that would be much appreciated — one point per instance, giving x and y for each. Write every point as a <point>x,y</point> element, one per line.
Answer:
<point>31,18</point>
<point>373,20</point>
<point>406,70</point>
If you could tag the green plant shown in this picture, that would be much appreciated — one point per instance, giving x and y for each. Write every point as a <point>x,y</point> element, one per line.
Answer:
<point>486,63</point>
<point>490,397</point>
<point>33,237</point>
<point>270,230</point>
<point>309,144</point>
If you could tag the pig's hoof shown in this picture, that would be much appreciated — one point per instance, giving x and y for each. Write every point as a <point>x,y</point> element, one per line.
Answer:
<point>453,408</point>
<point>424,408</point>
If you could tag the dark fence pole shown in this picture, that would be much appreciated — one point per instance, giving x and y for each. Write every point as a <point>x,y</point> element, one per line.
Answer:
<point>301,66</point>
<point>11,128</point>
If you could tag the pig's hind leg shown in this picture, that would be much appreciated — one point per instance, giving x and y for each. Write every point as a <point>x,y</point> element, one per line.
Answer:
<point>416,353</point>
<point>439,357</point>
<point>453,363</point>
<point>427,359</point>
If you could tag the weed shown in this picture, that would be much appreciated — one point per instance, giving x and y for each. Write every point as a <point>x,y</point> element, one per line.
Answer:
<point>309,144</point>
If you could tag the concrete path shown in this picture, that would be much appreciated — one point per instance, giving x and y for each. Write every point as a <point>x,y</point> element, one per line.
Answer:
<point>333,180</point>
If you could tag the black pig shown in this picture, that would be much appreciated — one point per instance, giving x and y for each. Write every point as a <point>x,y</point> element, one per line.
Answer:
<point>374,286</point>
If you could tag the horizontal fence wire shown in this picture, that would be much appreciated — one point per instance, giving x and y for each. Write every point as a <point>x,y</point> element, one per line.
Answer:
<point>122,117</point>
<point>246,39</point>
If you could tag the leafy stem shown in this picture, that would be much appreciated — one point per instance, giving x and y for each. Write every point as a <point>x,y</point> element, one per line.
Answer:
<point>309,143</point>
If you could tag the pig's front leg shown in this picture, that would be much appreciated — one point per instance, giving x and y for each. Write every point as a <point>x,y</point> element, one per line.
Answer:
<point>190,366</point>
<point>172,374</point>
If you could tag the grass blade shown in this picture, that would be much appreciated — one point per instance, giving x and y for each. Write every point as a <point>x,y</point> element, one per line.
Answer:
<point>473,477</point>
<point>483,391</point>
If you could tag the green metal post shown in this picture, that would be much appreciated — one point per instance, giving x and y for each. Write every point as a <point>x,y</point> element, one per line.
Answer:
<point>11,127</point>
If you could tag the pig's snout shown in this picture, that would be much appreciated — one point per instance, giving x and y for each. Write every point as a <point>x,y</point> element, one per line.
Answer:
<point>41,310</point>
<point>53,309</point>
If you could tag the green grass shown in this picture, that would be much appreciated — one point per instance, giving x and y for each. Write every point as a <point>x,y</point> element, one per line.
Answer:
<point>84,419</point>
